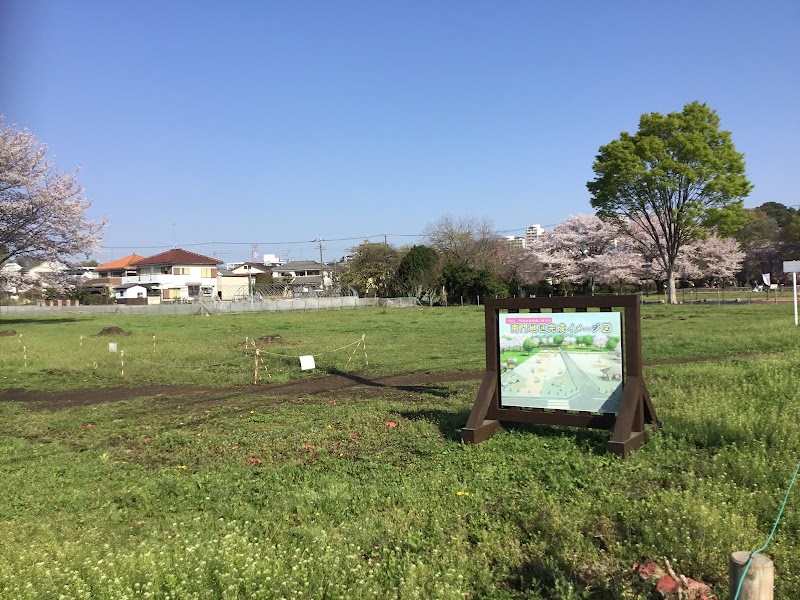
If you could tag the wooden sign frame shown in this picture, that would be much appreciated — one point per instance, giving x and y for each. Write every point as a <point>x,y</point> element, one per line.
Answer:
<point>636,409</point>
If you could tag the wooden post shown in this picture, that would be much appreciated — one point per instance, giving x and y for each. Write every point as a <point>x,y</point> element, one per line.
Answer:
<point>759,582</point>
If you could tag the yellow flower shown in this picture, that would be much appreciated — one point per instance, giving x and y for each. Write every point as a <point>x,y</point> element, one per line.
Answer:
<point>182,467</point>
<point>460,493</point>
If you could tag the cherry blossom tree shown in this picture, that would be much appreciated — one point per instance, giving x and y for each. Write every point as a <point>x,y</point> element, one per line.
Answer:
<point>715,258</point>
<point>42,211</point>
<point>620,266</point>
<point>712,258</point>
<point>583,248</point>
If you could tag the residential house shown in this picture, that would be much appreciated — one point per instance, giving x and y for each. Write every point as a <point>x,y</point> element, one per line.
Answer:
<point>37,268</point>
<point>232,286</point>
<point>242,280</point>
<point>134,293</point>
<point>26,272</point>
<point>177,275</point>
<point>305,272</point>
<point>110,275</point>
<point>305,276</point>
<point>257,270</point>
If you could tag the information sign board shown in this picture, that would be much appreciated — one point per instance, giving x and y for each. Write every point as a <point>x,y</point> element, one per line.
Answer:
<point>563,361</point>
<point>574,361</point>
<point>791,266</point>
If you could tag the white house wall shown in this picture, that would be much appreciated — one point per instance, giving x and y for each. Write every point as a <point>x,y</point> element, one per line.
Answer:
<point>180,282</point>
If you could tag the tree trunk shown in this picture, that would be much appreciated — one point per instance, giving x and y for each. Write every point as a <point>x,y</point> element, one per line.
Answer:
<point>672,297</point>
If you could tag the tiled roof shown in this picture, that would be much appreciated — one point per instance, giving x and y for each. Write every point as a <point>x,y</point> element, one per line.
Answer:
<point>178,256</point>
<point>120,263</point>
<point>299,265</point>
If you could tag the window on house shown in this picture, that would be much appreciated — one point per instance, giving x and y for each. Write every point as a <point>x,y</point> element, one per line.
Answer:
<point>208,272</point>
<point>194,290</point>
<point>180,270</point>
<point>172,294</point>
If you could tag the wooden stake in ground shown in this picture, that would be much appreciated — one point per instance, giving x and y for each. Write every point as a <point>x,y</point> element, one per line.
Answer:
<point>255,366</point>
<point>759,582</point>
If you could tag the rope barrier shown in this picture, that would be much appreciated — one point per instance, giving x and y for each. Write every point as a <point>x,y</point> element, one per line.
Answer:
<point>356,343</point>
<point>361,342</point>
<point>258,364</point>
<point>771,533</point>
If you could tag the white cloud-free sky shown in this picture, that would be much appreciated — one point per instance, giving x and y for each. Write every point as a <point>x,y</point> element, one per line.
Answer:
<point>213,126</point>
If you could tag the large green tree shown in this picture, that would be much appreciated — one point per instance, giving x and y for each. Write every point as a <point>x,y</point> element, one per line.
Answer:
<point>676,179</point>
<point>419,268</point>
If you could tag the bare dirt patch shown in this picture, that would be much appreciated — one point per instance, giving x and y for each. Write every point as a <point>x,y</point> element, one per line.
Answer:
<point>113,331</point>
<point>8,332</point>
<point>330,386</point>
<point>334,386</point>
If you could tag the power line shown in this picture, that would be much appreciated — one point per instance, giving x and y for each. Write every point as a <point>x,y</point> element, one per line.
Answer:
<point>213,244</point>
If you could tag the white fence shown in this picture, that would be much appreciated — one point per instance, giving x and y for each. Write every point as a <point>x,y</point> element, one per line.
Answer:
<point>210,307</point>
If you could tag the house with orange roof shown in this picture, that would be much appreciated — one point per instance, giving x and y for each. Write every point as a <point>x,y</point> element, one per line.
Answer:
<point>108,276</point>
<point>122,267</point>
<point>176,275</point>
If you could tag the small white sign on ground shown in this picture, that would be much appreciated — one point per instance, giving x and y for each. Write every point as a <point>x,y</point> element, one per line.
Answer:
<point>307,363</point>
<point>112,347</point>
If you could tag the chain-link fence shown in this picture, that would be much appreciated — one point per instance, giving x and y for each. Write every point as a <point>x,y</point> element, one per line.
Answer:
<point>210,307</point>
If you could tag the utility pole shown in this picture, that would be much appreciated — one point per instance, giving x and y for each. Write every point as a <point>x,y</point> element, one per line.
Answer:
<point>320,240</point>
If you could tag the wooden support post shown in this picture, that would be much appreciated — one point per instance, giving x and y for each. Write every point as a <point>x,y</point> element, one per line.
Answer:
<point>759,582</point>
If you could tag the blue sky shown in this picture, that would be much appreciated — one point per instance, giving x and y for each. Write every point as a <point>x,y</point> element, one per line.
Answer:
<point>272,122</point>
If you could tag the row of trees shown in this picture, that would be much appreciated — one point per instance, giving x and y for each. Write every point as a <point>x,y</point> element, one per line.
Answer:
<point>770,235</point>
<point>668,201</point>
<point>584,254</point>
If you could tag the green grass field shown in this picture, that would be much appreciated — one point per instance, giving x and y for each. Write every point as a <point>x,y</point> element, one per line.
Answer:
<point>251,495</point>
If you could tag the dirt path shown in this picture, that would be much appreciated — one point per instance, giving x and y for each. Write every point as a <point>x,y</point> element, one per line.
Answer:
<point>329,386</point>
